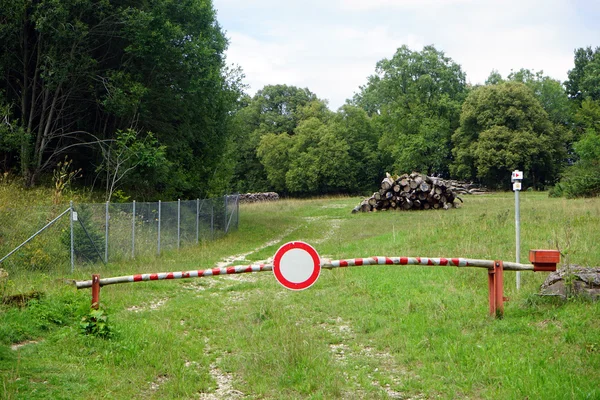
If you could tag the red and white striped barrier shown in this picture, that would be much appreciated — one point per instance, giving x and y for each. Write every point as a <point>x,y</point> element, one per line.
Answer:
<point>444,262</point>
<point>239,269</point>
<point>297,266</point>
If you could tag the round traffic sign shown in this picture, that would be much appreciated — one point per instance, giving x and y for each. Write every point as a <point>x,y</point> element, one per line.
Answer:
<point>296,265</point>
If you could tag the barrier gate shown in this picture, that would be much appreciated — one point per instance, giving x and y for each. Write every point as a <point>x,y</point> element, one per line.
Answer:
<point>297,266</point>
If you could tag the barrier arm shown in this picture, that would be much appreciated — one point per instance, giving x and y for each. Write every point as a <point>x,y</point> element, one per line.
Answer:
<point>541,260</point>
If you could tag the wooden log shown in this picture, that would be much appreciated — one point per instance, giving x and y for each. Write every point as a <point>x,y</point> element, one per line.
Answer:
<point>424,186</point>
<point>365,206</point>
<point>413,184</point>
<point>387,183</point>
<point>396,188</point>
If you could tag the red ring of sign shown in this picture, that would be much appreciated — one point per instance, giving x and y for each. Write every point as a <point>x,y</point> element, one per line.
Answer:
<point>316,265</point>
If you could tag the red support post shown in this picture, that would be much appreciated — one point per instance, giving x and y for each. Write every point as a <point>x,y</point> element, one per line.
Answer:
<point>496,289</point>
<point>95,291</point>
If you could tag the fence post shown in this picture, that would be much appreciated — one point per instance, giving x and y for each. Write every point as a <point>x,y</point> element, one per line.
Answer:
<point>133,231</point>
<point>237,207</point>
<point>226,227</point>
<point>178,223</point>
<point>197,220</point>
<point>106,235</point>
<point>158,245</point>
<point>212,220</point>
<point>72,237</point>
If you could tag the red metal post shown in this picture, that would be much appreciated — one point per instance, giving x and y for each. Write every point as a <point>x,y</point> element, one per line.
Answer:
<point>95,291</point>
<point>492,290</point>
<point>499,266</point>
<point>496,288</point>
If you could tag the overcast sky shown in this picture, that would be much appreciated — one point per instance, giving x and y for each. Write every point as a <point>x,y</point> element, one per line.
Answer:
<point>332,46</point>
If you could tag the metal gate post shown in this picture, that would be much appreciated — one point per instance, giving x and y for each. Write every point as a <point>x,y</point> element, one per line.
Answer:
<point>133,231</point>
<point>95,291</point>
<point>72,239</point>
<point>496,289</point>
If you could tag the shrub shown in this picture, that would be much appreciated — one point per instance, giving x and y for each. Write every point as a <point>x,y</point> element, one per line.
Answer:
<point>580,180</point>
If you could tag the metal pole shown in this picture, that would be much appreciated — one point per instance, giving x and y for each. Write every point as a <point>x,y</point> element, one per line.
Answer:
<point>133,231</point>
<point>106,235</point>
<point>178,222</point>
<point>518,233</point>
<point>35,234</point>
<point>237,207</point>
<point>225,225</point>
<point>72,244</point>
<point>197,220</point>
<point>158,246</point>
<point>212,220</point>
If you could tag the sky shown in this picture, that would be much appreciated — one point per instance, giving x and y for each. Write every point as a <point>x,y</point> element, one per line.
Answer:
<point>331,47</point>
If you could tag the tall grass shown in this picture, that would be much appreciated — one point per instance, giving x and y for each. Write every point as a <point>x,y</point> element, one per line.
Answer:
<point>364,332</point>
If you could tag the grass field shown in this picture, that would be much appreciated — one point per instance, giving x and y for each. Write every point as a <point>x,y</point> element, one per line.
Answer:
<point>367,332</point>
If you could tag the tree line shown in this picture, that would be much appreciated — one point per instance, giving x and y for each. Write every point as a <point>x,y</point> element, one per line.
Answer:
<point>139,97</point>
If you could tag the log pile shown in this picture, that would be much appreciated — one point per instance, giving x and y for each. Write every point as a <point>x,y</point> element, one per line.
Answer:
<point>258,197</point>
<point>409,192</point>
<point>459,187</point>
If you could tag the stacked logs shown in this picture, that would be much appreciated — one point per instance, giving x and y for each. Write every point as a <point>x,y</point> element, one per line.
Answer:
<point>258,197</point>
<point>409,192</point>
<point>459,187</point>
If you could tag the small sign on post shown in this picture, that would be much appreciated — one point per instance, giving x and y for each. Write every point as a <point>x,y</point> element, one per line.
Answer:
<point>516,178</point>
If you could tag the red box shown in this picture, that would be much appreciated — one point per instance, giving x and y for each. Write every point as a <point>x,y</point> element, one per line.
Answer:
<point>544,260</point>
<point>544,256</point>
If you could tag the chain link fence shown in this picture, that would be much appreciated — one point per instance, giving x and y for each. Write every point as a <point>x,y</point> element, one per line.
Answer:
<point>54,239</point>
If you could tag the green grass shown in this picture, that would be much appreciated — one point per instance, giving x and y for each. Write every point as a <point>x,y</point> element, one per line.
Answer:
<point>365,332</point>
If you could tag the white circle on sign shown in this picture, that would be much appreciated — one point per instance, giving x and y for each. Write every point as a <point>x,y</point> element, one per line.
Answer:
<point>296,265</point>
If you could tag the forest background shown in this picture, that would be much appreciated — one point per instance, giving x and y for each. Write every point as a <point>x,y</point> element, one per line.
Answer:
<point>136,99</point>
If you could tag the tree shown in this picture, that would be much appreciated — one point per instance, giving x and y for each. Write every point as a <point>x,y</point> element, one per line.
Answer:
<point>503,127</point>
<point>584,78</point>
<point>274,110</point>
<point>414,99</point>
<point>356,128</point>
<point>125,154</point>
<point>76,72</point>
<point>550,93</point>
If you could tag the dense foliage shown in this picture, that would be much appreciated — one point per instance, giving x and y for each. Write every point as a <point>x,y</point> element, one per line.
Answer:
<point>139,97</point>
<point>75,74</point>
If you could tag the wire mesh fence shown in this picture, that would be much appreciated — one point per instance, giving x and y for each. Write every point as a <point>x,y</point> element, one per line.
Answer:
<point>51,239</point>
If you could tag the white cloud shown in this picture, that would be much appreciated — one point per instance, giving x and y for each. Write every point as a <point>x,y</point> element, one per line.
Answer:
<point>332,46</point>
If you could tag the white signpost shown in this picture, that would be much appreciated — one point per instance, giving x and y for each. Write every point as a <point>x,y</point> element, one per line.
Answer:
<point>517,177</point>
<point>296,265</point>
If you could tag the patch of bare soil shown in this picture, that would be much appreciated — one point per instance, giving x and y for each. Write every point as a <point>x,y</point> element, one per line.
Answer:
<point>240,258</point>
<point>17,346</point>
<point>154,305</point>
<point>223,379</point>
<point>344,354</point>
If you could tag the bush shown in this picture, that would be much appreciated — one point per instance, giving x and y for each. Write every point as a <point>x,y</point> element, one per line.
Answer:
<point>580,180</point>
